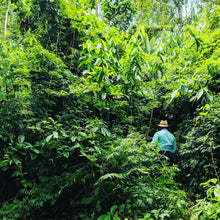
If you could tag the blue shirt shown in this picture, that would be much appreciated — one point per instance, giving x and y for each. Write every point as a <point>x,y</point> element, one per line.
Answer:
<point>166,141</point>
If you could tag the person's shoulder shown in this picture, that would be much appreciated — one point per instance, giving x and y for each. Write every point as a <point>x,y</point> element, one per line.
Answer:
<point>171,134</point>
<point>156,133</point>
<point>167,131</point>
<point>160,132</point>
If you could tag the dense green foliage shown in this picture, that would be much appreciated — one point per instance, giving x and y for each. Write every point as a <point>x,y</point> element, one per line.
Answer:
<point>83,86</point>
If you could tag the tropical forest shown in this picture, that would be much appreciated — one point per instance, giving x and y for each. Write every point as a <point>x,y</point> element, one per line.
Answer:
<point>84,86</point>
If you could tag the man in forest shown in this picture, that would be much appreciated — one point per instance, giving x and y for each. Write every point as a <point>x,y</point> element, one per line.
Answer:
<point>165,141</point>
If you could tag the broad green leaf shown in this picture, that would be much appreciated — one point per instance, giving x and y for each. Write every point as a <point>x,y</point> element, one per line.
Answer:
<point>21,138</point>
<point>35,150</point>
<point>33,156</point>
<point>184,89</point>
<point>91,58</point>
<point>203,113</point>
<point>99,45</point>
<point>209,97</point>
<point>55,134</point>
<point>107,80</point>
<point>104,95</point>
<point>66,154</point>
<point>147,215</point>
<point>134,40</point>
<point>104,217</point>
<point>143,31</point>
<point>163,58</point>
<point>199,94</point>
<point>98,62</point>
<point>2,95</point>
<point>113,208</point>
<point>175,94</point>
<point>38,125</point>
<point>49,138</point>
<point>88,45</point>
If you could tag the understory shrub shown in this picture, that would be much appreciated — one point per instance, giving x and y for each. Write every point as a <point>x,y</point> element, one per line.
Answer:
<point>139,182</point>
<point>199,155</point>
<point>209,207</point>
<point>72,167</point>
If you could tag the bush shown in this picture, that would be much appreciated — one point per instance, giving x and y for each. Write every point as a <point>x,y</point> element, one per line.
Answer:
<point>209,207</point>
<point>138,182</point>
<point>200,153</point>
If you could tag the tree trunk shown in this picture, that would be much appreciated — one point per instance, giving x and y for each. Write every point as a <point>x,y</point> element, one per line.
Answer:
<point>6,18</point>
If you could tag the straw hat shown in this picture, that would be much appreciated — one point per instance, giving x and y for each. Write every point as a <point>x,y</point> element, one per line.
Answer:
<point>163,123</point>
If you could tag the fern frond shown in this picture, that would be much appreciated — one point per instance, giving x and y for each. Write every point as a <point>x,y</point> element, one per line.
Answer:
<point>113,176</point>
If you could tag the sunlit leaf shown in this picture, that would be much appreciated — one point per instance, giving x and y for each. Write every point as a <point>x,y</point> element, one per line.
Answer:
<point>66,154</point>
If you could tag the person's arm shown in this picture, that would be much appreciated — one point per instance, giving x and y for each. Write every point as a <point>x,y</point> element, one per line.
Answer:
<point>155,138</point>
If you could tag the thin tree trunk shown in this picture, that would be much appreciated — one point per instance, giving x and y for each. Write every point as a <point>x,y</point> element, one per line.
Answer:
<point>6,18</point>
<point>151,116</point>
<point>186,5</point>
<point>97,8</point>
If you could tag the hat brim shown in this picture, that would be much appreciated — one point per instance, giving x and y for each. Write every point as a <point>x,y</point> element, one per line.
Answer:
<point>163,126</point>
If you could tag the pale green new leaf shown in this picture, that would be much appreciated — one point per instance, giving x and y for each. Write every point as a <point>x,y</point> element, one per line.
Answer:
<point>175,94</point>
<point>21,138</point>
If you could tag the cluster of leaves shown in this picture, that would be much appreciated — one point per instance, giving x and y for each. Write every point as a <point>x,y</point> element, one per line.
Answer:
<point>32,80</point>
<point>200,153</point>
<point>119,13</point>
<point>208,208</point>
<point>142,181</point>
<point>84,167</point>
